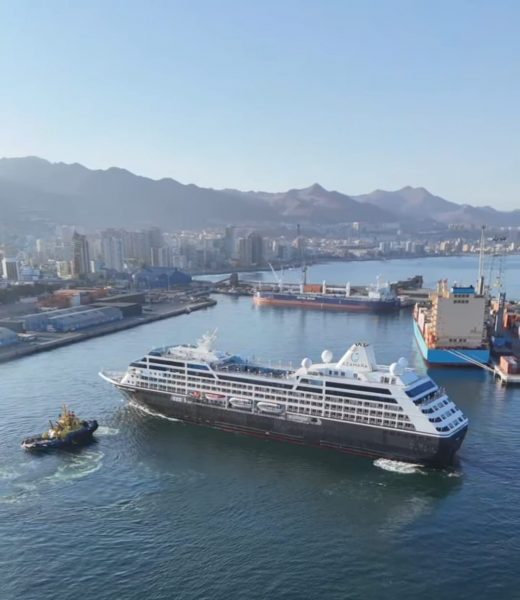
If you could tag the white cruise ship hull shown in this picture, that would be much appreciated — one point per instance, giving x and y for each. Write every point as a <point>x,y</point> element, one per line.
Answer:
<point>364,440</point>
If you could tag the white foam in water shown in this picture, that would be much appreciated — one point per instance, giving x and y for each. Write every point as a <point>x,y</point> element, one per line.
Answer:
<point>106,431</point>
<point>77,467</point>
<point>152,413</point>
<point>7,473</point>
<point>396,466</point>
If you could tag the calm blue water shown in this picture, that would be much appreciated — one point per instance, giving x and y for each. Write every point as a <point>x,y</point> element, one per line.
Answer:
<point>157,509</point>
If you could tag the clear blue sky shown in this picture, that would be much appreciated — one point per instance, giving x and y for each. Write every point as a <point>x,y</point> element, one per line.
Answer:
<point>269,95</point>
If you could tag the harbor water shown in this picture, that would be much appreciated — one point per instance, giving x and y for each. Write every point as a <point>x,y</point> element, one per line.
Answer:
<point>158,509</point>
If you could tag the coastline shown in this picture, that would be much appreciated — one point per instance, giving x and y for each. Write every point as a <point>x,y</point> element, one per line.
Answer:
<point>28,348</point>
<point>331,259</point>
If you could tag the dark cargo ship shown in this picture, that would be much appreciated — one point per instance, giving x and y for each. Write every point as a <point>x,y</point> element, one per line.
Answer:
<point>379,299</point>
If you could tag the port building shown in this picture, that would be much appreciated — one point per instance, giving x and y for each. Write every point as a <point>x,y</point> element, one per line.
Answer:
<point>7,337</point>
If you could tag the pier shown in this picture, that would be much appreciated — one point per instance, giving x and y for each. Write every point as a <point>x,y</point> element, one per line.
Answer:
<point>44,342</point>
<point>506,378</point>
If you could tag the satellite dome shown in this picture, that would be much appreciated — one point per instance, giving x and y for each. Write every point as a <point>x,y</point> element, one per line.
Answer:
<point>326,356</point>
<point>306,363</point>
<point>403,362</point>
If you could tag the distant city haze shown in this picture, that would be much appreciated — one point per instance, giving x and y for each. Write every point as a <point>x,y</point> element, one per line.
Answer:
<point>271,96</point>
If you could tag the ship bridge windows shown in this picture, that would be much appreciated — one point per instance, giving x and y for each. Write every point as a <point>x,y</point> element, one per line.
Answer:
<point>168,363</point>
<point>138,363</point>
<point>420,389</point>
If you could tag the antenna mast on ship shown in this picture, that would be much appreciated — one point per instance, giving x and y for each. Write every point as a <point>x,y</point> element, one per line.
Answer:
<point>480,282</point>
<point>302,255</point>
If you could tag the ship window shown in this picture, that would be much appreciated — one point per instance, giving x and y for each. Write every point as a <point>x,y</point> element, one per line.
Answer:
<point>351,395</point>
<point>358,388</point>
<point>198,374</point>
<point>423,387</point>
<point>160,361</point>
<point>194,366</point>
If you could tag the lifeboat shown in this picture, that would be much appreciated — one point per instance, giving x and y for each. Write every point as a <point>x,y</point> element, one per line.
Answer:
<point>215,397</point>
<point>240,403</point>
<point>271,408</point>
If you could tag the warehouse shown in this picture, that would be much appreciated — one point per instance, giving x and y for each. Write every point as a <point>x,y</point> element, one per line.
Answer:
<point>7,337</point>
<point>40,321</point>
<point>84,319</point>
<point>160,278</point>
<point>128,309</point>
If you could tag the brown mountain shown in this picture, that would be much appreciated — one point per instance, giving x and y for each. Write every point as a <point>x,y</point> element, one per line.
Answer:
<point>419,203</point>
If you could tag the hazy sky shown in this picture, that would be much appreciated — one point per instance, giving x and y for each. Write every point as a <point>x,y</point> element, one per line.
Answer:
<point>270,95</point>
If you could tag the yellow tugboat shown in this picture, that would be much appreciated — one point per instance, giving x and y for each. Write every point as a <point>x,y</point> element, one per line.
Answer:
<point>67,431</point>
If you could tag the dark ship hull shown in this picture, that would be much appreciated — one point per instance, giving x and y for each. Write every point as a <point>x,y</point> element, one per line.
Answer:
<point>327,302</point>
<point>322,433</point>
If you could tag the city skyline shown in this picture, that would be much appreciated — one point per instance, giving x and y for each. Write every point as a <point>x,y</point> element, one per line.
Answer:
<point>353,96</point>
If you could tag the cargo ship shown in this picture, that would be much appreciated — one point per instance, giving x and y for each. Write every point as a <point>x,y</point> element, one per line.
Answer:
<point>451,328</point>
<point>351,405</point>
<point>379,299</point>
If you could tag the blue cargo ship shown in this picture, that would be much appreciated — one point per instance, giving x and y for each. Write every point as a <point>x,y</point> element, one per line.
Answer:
<point>451,329</point>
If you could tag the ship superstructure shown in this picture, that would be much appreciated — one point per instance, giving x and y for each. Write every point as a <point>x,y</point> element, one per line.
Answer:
<point>352,404</point>
<point>451,328</point>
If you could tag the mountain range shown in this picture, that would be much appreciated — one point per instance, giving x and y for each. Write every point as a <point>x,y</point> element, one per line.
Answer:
<point>73,194</point>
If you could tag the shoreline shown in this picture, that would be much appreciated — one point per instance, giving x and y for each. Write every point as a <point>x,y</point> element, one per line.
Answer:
<point>327,260</point>
<point>23,349</point>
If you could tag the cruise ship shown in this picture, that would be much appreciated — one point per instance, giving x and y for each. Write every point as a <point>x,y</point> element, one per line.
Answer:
<point>451,328</point>
<point>350,405</point>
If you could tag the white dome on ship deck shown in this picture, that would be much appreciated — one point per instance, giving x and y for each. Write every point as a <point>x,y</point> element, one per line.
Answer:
<point>306,363</point>
<point>326,356</point>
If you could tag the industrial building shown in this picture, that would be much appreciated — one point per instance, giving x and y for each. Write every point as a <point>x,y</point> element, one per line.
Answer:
<point>83,319</point>
<point>7,337</point>
<point>40,321</point>
<point>128,309</point>
<point>160,278</point>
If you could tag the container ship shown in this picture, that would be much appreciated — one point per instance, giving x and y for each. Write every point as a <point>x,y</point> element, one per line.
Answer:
<point>379,299</point>
<point>451,328</point>
<point>350,405</point>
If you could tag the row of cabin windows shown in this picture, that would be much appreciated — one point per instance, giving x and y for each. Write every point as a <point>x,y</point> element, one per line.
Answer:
<point>451,425</point>
<point>305,398</point>
<point>435,407</point>
<point>444,416</point>
<point>356,415</point>
<point>182,372</point>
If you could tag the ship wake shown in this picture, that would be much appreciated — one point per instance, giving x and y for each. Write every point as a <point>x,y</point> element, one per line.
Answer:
<point>396,466</point>
<point>152,413</point>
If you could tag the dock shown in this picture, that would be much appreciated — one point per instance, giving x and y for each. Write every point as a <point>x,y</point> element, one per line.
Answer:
<point>507,378</point>
<point>44,342</point>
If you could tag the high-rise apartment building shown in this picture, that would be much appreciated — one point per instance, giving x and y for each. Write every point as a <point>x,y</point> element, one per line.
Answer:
<point>112,249</point>
<point>10,269</point>
<point>81,255</point>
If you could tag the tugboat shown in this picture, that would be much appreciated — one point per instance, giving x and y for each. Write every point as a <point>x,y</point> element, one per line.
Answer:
<point>67,432</point>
